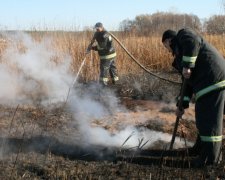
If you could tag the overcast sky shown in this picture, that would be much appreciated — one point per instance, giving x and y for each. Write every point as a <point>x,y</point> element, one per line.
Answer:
<point>77,14</point>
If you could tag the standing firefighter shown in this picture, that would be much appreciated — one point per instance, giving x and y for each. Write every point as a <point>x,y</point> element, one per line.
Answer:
<point>106,53</point>
<point>204,70</point>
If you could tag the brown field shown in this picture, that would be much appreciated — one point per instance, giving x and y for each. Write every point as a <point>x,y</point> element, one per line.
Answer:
<point>89,135</point>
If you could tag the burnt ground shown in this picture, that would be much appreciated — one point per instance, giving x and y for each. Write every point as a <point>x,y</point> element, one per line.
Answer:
<point>43,143</point>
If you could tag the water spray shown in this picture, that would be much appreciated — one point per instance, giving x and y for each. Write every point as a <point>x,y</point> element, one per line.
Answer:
<point>81,66</point>
<point>75,79</point>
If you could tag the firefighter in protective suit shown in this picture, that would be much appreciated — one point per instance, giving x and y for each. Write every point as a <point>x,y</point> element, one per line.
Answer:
<point>203,67</point>
<point>106,52</point>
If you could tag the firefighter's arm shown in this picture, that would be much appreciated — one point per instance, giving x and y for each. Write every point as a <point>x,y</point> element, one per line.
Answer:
<point>90,46</point>
<point>109,44</point>
<point>190,47</point>
<point>176,63</point>
<point>188,92</point>
<point>186,72</point>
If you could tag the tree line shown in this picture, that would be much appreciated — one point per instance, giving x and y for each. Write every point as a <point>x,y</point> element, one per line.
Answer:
<point>156,23</point>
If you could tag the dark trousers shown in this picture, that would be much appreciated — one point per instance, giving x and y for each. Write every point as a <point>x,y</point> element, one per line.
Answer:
<point>209,111</point>
<point>107,66</point>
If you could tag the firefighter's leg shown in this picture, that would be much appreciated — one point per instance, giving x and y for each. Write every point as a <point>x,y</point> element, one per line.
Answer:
<point>113,71</point>
<point>195,150</point>
<point>104,69</point>
<point>209,122</point>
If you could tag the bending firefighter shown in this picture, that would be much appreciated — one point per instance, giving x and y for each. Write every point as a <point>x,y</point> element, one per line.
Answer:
<point>203,67</point>
<point>106,53</point>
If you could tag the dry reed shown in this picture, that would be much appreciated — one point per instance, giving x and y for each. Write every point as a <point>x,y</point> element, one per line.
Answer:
<point>148,50</point>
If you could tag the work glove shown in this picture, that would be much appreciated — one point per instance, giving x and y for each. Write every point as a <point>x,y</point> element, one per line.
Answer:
<point>88,49</point>
<point>185,104</point>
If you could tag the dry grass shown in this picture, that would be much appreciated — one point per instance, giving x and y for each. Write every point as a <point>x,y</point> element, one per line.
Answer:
<point>148,50</point>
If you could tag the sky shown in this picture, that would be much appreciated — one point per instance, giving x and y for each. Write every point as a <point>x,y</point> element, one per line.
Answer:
<point>80,14</point>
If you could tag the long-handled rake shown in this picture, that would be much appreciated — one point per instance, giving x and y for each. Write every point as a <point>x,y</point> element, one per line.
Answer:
<point>180,102</point>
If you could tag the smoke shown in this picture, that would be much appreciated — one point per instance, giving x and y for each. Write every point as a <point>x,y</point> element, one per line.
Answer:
<point>131,137</point>
<point>29,74</point>
<point>32,73</point>
<point>101,106</point>
<point>92,103</point>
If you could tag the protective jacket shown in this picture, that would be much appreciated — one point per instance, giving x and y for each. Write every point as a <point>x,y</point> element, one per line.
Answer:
<point>104,46</point>
<point>206,63</point>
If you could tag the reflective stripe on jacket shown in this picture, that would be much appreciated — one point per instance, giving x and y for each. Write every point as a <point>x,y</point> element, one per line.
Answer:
<point>108,56</point>
<point>219,85</point>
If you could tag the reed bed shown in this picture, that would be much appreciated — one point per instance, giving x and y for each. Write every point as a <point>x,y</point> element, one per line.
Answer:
<point>149,51</point>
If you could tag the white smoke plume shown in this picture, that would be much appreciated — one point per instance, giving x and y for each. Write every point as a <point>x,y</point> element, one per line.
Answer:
<point>86,109</point>
<point>28,72</point>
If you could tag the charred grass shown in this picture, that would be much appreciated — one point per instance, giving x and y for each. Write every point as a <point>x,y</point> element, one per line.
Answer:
<point>36,143</point>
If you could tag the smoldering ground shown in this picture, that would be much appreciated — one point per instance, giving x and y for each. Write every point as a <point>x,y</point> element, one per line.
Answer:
<point>32,77</point>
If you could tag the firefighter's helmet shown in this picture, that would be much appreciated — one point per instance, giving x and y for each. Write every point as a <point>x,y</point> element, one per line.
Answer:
<point>98,25</point>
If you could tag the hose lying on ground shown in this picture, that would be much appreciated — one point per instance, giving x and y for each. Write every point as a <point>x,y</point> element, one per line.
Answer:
<point>135,60</point>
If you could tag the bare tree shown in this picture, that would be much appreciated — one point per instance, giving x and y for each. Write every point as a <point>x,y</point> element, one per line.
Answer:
<point>215,24</point>
<point>223,4</point>
<point>156,23</point>
<point>126,25</point>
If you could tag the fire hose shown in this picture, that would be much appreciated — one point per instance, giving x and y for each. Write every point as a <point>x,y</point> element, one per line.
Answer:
<point>137,62</point>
